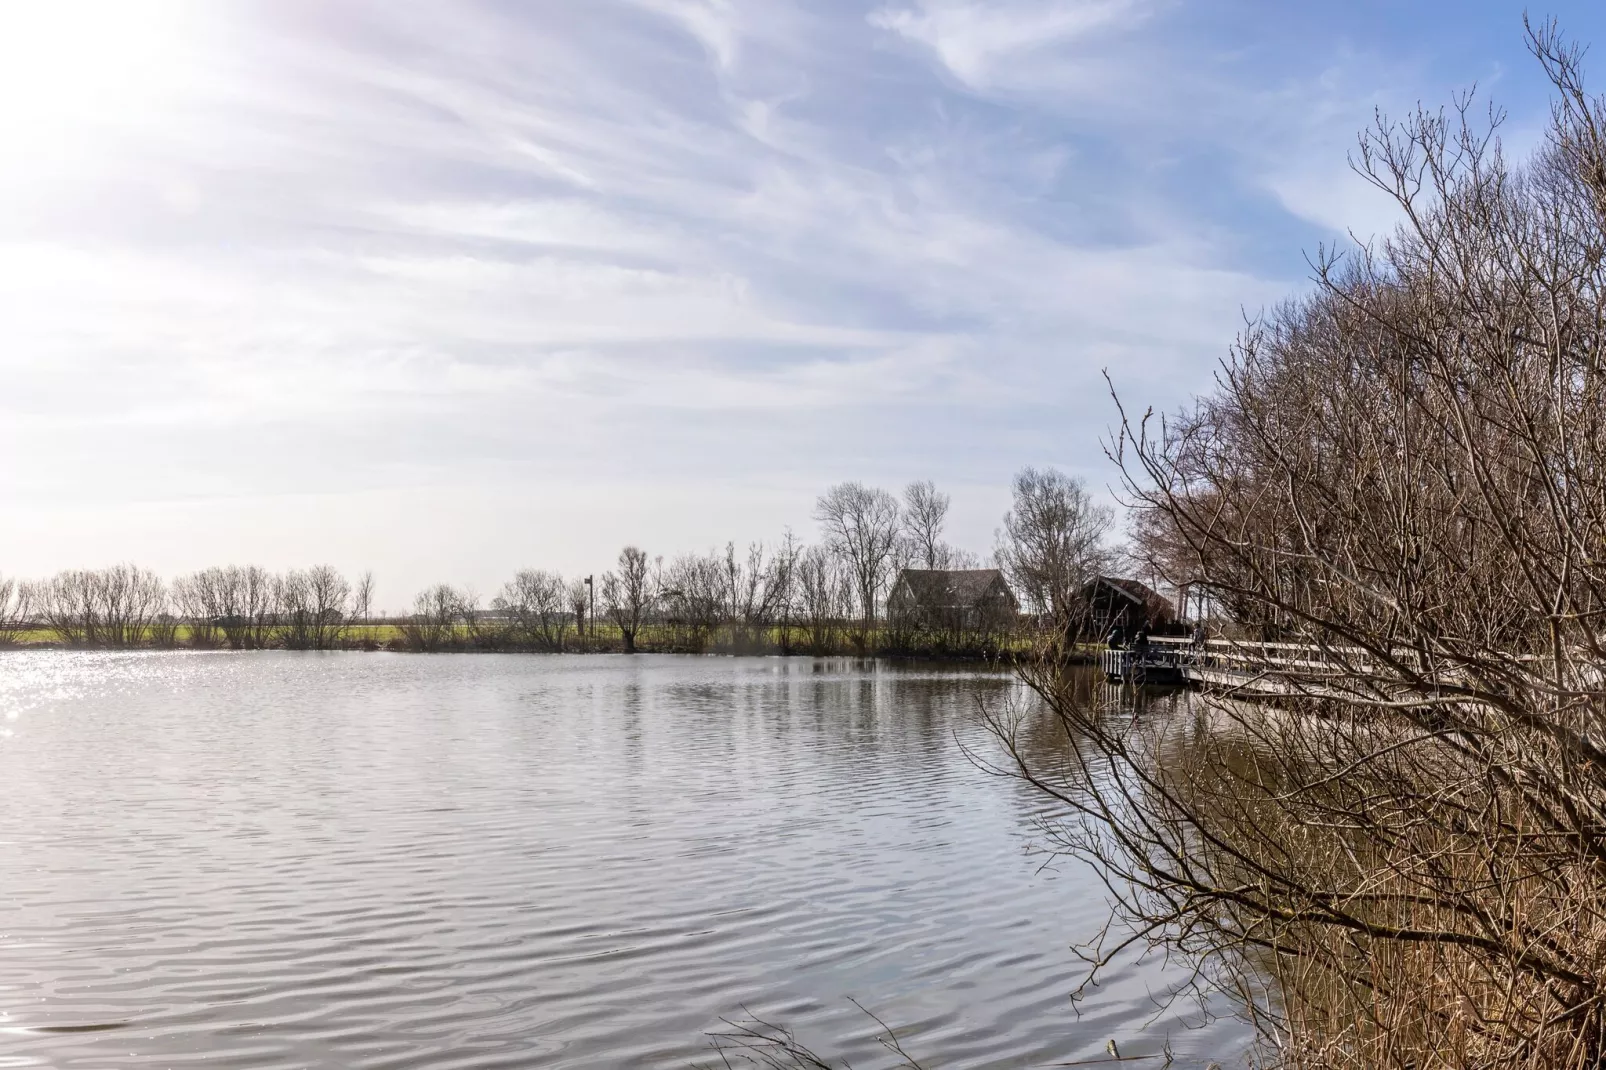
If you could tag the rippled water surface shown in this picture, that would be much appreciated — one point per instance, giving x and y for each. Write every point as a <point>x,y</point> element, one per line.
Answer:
<point>387,861</point>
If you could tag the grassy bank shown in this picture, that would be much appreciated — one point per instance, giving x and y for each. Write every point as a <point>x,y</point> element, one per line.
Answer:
<point>606,637</point>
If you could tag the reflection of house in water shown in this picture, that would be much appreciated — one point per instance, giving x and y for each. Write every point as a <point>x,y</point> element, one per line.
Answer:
<point>952,600</point>
<point>1125,604</point>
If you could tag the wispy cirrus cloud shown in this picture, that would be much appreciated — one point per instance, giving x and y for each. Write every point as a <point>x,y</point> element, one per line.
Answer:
<point>986,42</point>
<point>711,22</point>
<point>699,255</point>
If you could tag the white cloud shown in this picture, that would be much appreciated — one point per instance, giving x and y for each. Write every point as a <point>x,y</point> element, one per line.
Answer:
<point>983,41</point>
<point>479,271</point>
<point>1314,123</point>
<point>1341,202</point>
<point>711,22</point>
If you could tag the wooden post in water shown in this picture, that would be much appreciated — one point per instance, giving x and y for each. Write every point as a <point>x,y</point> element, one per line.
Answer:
<point>591,619</point>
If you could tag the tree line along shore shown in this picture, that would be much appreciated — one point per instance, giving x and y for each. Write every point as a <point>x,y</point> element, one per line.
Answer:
<point>881,579</point>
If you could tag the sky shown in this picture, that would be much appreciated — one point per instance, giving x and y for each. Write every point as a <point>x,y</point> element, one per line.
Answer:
<point>445,290</point>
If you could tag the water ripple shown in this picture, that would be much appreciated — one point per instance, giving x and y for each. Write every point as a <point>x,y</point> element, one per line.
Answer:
<point>378,861</point>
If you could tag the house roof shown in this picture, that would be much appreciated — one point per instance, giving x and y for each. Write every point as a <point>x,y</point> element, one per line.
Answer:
<point>1133,590</point>
<point>951,587</point>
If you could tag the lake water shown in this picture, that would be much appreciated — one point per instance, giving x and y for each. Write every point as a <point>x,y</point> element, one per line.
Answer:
<point>388,861</point>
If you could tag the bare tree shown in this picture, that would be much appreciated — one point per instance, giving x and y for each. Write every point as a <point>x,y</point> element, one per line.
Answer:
<point>201,601</point>
<point>1398,856</point>
<point>694,595</point>
<point>925,511</point>
<point>537,605</point>
<point>825,597</point>
<point>627,593</point>
<point>131,597</point>
<point>311,608</point>
<point>757,590</point>
<point>1052,542</point>
<point>479,630</point>
<point>860,526</point>
<point>16,609</point>
<point>740,595</point>
<point>958,558</point>
<point>69,602</point>
<point>362,598</point>
<point>293,601</point>
<point>163,628</point>
<point>330,597</point>
<point>780,594</point>
<point>218,597</point>
<point>745,588</point>
<point>255,591</point>
<point>579,605</point>
<point>438,613</point>
<point>110,607</point>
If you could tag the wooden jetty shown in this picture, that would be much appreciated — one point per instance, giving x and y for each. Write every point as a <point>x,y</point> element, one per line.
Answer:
<point>1264,670</point>
<point>1162,664</point>
<point>1246,668</point>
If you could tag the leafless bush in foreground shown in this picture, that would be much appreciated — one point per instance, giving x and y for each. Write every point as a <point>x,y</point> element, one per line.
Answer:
<point>1405,475</point>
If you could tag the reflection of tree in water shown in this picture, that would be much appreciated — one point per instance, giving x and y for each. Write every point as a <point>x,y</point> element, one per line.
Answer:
<point>755,1042</point>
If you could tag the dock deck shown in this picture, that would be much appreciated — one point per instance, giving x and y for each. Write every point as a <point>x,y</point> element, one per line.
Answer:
<point>1218,663</point>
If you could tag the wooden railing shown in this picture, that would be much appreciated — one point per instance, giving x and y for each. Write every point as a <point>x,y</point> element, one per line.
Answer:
<point>1176,661</point>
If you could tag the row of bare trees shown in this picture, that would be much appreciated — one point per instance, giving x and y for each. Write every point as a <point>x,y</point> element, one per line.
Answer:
<point>823,598</point>
<point>765,599</point>
<point>241,607</point>
<point>535,610</point>
<point>1055,538</point>
<point>830,595</point>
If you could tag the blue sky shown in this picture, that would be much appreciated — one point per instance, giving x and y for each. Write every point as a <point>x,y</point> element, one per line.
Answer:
<point>446,290</point>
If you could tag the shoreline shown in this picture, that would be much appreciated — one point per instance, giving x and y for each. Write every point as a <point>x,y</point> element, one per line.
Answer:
<point>1082,655</point>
